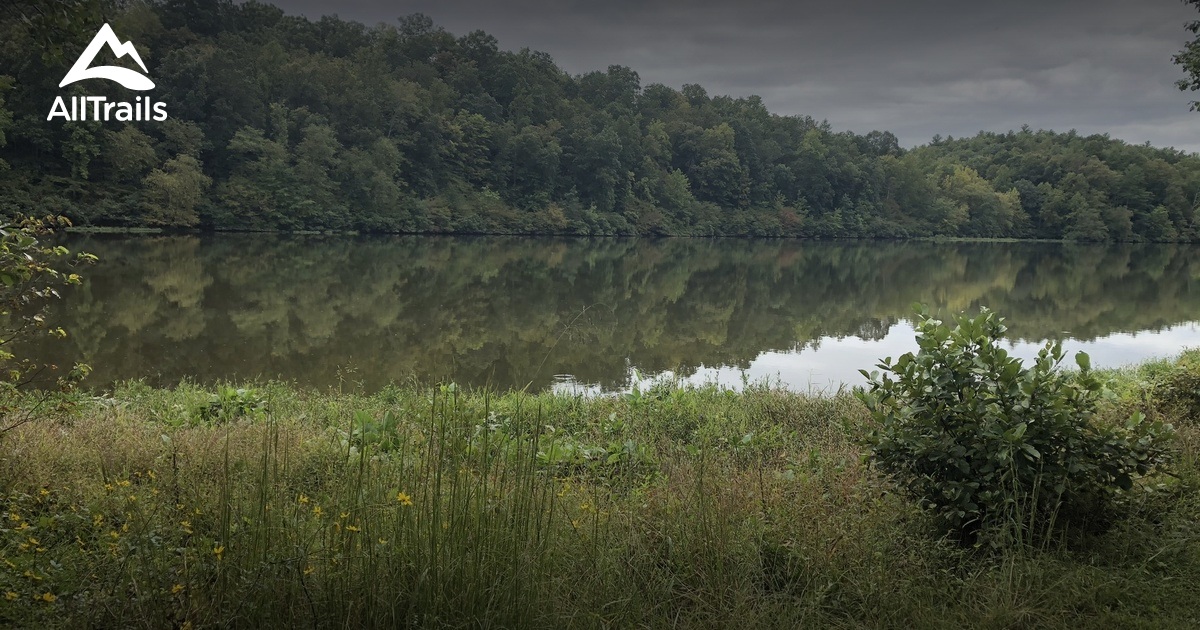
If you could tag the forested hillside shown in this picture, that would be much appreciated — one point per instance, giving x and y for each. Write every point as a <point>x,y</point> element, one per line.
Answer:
<point>282,123</point>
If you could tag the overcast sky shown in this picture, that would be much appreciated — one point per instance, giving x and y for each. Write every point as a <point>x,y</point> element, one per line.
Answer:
<point>916,68</point>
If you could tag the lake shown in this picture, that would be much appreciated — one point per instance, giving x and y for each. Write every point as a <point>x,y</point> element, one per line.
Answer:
<point>589,315</point>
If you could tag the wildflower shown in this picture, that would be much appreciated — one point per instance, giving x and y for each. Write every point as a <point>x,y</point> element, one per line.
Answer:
<point>124,483</point>
<point>33,576</point>
<point>218,551</point>
<point>33,541</point>
<point>44,492</point>
<point>132,498</point>
<point>41,550</point>
<point>23,547</point>
<point>125,528</point>
<point>97,520</point>
<point>151,475</point>
<point>383,541</point>
<point>113,534</point>
<point>108,486</point>
<point>187,526</point>
<point>22,527</point>
<point>353,528</point>
<point>309,569</point>
<point>177,589</point>
<point>317,510</point>
<point>14,517</point>
<point>345,515</point>
<point>303,499</point>
<point>48,597</point>
<point>10,596</point>
<point>403,498</point>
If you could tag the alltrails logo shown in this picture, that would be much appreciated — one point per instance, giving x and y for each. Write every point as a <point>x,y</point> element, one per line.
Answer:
<point>143,108</point>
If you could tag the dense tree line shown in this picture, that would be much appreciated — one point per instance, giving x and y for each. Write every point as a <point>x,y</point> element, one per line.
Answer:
<point>282,123</point>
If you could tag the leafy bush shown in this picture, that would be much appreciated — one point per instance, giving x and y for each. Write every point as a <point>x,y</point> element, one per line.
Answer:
<point>381,435</point>
<point>232,403</point>
<point>1176,389</point>
<point>31,273</point>
<point>996,450</point>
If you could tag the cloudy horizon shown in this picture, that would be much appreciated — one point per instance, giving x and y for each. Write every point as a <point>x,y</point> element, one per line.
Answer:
<point>927,68</point>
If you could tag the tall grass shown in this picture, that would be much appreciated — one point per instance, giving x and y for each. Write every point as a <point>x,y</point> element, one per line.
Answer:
<point>675,507</point>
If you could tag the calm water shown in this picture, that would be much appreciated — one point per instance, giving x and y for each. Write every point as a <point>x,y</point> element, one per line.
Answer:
<point>585,314</point>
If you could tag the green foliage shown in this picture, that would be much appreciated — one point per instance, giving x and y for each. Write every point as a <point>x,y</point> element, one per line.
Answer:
<point>232,403</point>
<point>173,192</point>
<point>31,273</point>
<point>1189,58</point>
<point>998,450</point>
<point>331,125</point>
<point>1176,388</point>
<point>379,435</point>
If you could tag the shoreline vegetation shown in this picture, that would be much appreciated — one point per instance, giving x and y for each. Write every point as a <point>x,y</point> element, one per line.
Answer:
<point>183,231</point>
<point>281,123</point>
<point>272,506</point>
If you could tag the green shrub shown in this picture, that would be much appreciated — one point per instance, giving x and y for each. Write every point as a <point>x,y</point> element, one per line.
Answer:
<point>232,403</point>
<point>995,450</point>
<point>1176,389</point>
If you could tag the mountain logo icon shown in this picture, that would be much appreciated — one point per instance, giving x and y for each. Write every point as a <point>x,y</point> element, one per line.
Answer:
<point>126,77</point>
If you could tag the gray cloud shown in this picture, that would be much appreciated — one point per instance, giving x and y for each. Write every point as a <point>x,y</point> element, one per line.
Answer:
<point>916,68</point>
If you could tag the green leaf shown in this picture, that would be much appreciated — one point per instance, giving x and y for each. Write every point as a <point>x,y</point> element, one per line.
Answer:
<point>1083,361</point>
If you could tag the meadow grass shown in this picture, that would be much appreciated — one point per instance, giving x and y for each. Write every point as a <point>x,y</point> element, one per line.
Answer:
<point>273,506</point>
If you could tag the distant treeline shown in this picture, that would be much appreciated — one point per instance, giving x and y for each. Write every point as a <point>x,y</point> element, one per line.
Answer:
<point>282,123</point>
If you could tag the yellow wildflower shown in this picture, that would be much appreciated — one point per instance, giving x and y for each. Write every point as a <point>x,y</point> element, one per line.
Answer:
<point>124,483</point>
<point>108,486</point>
<point>383,541</point>
<point>113,534</point>
<point>48,597</point>
<point>177,589</point>
<point>403,498</point>
<point>309,569</point>
<point>345,515</point>
<point>33,541</point>
<point>97,520</point>
<point>44,492</point>
<point>10,596</point>
<point>23,547</point>
<point>41,550</point>
<point>132,498</point>
<point>22,527</point>
<point>33,576</point>
<point>14,517</point>
<point>125,528</point>
<point>303,499</point>
<point>317,511</point>
<point>187,526</point>
<point>151,475</point>
<point>353,528</point>
<point>218,551</point>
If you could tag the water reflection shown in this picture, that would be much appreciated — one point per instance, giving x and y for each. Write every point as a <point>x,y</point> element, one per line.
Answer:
<point>532,312</point>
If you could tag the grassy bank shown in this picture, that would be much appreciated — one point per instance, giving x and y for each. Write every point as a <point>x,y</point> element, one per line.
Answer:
<point>273,507</point>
